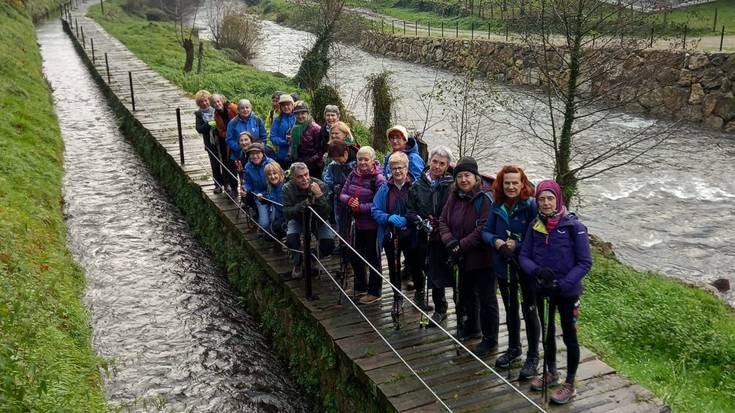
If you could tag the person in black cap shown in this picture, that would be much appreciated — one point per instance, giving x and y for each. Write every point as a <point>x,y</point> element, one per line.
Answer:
<point>460,227</point>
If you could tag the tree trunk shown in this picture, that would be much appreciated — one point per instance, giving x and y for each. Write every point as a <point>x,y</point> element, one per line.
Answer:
<point>565,177</point>
<point>200,54</point>
<point>188,46</point>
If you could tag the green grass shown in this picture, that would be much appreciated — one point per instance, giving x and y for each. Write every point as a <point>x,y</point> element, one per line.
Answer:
<point>46,359</point>
<point>155,43</point>
<point>699,19</point>
<point>677,341</point>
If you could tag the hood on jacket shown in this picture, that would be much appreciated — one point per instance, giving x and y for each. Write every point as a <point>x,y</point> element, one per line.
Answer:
<point>376,170</point>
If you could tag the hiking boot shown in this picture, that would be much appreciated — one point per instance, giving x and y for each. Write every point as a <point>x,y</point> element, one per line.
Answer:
<point>420,299</point>
<point>296,273</point>
<point>507,358</point>
<point>369,299</point>
<point>438,318</point>
<point>552,379</point>
<point>463,335</point>
<point>563,394</point>
<point>485,347</point>
<point>529,368</point>
<point>397,310</point>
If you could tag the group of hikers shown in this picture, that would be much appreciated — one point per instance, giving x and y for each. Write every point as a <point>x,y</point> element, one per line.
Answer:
<point>454,227</point>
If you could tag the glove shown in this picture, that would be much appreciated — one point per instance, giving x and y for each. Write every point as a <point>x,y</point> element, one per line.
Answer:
<point>212,124</point>
<point>547,289</point>
<point>397,221</point>
<point>506,253</point>
<point>453,248</point>
<point>545,274</point>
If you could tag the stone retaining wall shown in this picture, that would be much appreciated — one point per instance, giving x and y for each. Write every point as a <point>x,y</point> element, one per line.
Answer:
<point>694,87</point>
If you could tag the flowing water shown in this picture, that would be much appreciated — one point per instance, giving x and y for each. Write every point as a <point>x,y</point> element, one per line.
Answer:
<point>175,334</point>
<point>670,214</point>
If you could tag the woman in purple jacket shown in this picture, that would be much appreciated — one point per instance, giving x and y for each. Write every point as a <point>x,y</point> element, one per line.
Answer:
<point>460,227</point>
<point>556,253</point>
<point>357,194</point>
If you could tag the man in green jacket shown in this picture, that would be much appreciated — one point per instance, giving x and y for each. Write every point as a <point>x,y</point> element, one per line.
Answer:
<point>298,193</point>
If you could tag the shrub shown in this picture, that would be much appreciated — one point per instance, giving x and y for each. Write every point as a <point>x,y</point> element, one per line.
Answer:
<point>240,33</point>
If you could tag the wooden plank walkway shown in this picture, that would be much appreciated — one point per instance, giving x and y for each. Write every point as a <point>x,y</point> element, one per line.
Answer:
<point>462,383</point>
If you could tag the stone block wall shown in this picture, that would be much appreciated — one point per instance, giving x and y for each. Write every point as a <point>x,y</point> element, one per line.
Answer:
<point>696,87</point>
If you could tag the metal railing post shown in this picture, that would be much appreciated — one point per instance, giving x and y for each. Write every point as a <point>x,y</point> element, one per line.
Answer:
<point>404,27</point>
<point>306,264</point>
<point>107,67</point>
<point>684,45</point>
<point>181,135</point>
<point>102,6</point>
<point>76,26</point>
<point>91,42</point>
<point>722,36</point>
<point>84,43</point>
<point>132,92</point>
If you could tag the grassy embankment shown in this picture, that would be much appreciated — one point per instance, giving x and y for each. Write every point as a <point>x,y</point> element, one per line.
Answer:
<point>46,359</point>
<point>676,340</point>
<point>699,19</point>
<point>155,43</point>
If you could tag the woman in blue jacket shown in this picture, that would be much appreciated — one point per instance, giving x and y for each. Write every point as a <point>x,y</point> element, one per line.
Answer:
<point>513,209</point>
<point>246,121</point>
<point>281,130</point>
<point>275,176</point>
<point>255,182</point>
<point>556,255</point>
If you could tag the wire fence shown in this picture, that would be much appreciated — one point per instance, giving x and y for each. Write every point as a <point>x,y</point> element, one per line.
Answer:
<point>308,212</point>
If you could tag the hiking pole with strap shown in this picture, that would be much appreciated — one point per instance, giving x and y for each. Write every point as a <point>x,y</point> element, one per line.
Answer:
<point>544,332</point>
<point>397,300</point>
<point>425,226</point>
<point>457,305</point>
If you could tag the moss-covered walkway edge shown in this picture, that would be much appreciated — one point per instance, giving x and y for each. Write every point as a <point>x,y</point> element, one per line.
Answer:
<point>327,375</point>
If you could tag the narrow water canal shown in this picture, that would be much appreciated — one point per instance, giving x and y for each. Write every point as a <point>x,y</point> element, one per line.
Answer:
<point>672,215</point>
<point>162,314</point>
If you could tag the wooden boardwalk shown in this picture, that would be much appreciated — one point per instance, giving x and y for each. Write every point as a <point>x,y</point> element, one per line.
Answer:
<point>461,382</point>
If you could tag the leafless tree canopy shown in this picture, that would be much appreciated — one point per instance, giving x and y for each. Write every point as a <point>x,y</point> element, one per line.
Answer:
<point>577,49</point>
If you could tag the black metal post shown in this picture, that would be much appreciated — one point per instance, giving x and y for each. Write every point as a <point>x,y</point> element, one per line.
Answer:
<point>102,6</point>
<point>714,25</point>
<point>84,43</point>
<point>472,31</point>
<point>685,36</point>
<point>506,31</point>
<point>652,31</point>
<point>429,28</point>
<point>76,26</point>
<point>416,28</point>
<point>456,30</point>
<point>181,135</point>
<point>393,26</point>
<point>382,23</point>
<point>107,67</point>
<point>442,29</point>
<point>132,93</point>
<point>91,42</point>
<point>722,36</point>
<point>404,27</point>
<point>488,31</point>
<point>306,264</point>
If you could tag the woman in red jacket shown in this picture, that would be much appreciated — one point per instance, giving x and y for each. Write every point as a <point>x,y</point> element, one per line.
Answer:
<point>460,227</point>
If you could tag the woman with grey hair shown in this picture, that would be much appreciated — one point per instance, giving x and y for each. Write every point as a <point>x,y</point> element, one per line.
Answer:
<point>247,120</point>
<point>331,117</point>
<point>425,204</point>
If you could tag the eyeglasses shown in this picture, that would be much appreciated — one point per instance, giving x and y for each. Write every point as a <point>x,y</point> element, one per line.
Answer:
<point>397,168</point>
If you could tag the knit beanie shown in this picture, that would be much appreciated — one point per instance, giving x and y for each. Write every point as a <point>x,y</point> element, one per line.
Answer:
<point>551,186</point>
<point>466,163</point>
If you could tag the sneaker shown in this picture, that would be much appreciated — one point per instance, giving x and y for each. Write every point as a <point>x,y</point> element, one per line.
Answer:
<point>529,369</point>
<point>507,358</point>
<point>438,318</point>
<point>563,394</point>
<point>369,299</point>
<point>552,379</point>
<point>296,273</point>
<point>485,347</point>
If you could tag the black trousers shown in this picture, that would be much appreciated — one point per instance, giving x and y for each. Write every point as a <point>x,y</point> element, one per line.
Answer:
<point>478,287</point>
<point>509,292</point>
<point>412,263</point>
<point>365,244</point>
<point>568,308</point>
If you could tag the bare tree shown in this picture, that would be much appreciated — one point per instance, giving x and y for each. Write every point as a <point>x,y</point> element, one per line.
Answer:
<point>316,62</point>
<point>577,50</point>
<point>467,104</point>
<point>184,35</point>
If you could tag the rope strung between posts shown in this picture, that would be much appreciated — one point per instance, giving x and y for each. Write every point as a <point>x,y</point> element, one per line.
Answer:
<point>385,340</point>
<point>448,334</point>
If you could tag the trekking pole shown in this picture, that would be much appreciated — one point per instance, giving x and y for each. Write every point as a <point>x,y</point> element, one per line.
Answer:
<point>544,332</point>
<point>457,304</point>
<point>422,226</point>
<point>396,311</point>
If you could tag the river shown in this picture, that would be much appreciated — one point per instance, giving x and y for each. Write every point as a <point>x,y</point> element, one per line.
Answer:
<point>175,335</point>
<point>668,214</point>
